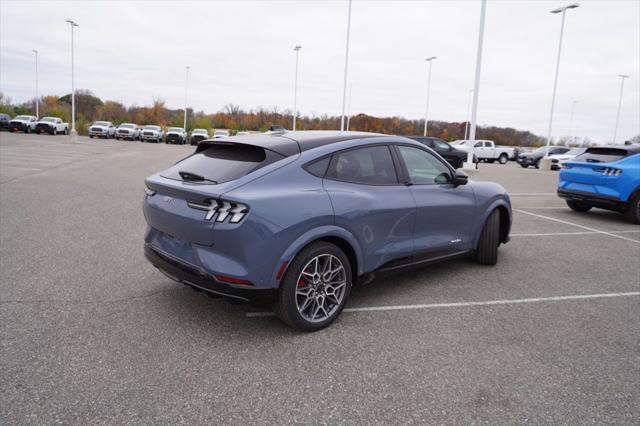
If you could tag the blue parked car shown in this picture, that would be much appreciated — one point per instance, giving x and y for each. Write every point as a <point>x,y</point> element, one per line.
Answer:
<point>298,218</point>
<point>603,177</point>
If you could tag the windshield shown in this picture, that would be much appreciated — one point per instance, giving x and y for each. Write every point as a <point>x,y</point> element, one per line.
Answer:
<point>220,132</point>
<point>100,123</point>
<point>175,129</point>
<point>22,117</point>
<point>48,120</point>
<point>128,126</point>
<point>603,155</point>
<point>223,163</point>
<point>575,151</point>
<point>152,127</point>
<point>203,131</point>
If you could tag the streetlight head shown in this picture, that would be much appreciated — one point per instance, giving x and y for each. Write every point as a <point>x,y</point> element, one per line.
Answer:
<point>297,48</point>
<point>623,76</point>
<point>34,51</point>
<point>73,24</point>
<point>562,9</point>
<point>431,58</point>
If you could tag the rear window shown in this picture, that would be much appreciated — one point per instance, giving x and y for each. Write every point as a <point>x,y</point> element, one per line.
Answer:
<point>223,163</point>
<point>603,155</point>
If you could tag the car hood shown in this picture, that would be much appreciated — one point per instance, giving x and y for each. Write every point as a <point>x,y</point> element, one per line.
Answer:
<point>93,126</point>
<point>175,133</point>
<point>19,121</point>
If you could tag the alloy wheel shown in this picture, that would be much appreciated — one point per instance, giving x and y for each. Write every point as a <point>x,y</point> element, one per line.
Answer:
<point>320,288</point>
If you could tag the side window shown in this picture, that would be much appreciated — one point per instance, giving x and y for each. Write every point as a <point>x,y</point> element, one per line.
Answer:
<point>441,146</point>
<point>318,168</point>
<point>487,144</point>
<point>478,145</point>
<point>372,165</point>
<point>423,167</point>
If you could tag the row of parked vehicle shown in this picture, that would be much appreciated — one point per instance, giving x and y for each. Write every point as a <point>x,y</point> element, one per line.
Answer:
<point>31,124</point>
<point>151,133</point>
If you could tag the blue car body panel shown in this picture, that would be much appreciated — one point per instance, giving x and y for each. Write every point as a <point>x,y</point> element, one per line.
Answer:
<point>290,208</point>
<point>588,178</point>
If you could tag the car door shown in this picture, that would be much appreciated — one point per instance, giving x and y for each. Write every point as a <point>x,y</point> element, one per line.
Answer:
<point>478,150</point>
<point>445,212</point>
<point>370,202</point>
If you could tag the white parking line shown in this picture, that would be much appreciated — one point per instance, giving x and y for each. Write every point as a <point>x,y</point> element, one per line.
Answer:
<point>579,226</point>
<point>465,304</point>
<point>547,234</point>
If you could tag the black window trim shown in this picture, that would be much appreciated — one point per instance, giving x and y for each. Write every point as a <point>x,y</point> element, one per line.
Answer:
<point>405,172</point>
<point>399,181</point>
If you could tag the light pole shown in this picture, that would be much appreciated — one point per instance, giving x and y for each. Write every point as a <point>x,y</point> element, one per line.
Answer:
<point>295,89</point>
<point>468,165</point>
<point>426,114</point>
<point>349,108</point>
<point>37,99</point>
<point>73,132</point>
<point>615,131</point>
<point>346,67</point>
<point>562,10</point>
<point>186,95</point>
<point>573,107</point>
<point>466,125</point>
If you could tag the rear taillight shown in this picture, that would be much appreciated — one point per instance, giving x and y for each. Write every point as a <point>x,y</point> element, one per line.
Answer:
<point>222,209</point>
<point>609,171</point>
<point>231,280</point>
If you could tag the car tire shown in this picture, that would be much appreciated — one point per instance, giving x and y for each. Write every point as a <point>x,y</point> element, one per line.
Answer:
<point>633,211</point>
<point>577,206</point>
<point>503,159</point>
<point>28,130</point>
<point>537,165</point>
<point>487,250</point>
<point>524,166</point>
<point>66,131</point>
<point>303,289</point>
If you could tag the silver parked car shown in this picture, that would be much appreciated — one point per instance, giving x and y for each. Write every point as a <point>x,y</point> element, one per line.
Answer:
<point>128,131</point>
<point>102,129</point>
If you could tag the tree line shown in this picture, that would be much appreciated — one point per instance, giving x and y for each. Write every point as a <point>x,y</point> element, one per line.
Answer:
<point>90,108</point>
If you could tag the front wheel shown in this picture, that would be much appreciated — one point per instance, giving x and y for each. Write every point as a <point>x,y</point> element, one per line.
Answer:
<point>66,131</point>
<point>537,163</point>
<point>524,166</point>
<point>487,250</point>
<point>503,159</point>
<point>633,212</point>
<point>315,287</point>
<point>578,206</point>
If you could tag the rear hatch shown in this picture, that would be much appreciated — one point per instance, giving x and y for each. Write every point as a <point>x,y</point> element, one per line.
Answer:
<point>594,171</point>
<point>180,193</point>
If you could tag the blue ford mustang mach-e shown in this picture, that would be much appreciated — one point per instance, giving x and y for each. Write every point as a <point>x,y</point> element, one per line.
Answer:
<point>299,218</point>
<point>605,177</point>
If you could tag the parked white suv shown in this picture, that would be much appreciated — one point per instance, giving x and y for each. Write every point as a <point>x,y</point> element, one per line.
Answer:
<point>485,150</point>
<point>152,133</point>
<point>102,129</point>
<point>217,134</point>
<point>128,131</point>
<point>52,125</point>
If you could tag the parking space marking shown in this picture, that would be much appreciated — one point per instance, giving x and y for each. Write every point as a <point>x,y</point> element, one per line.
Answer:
<point>547,234</point>
<point>579,226</point>
<point>466,304</point>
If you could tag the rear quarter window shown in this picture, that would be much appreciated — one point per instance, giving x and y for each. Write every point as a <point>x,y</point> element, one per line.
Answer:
<point>223,162</point>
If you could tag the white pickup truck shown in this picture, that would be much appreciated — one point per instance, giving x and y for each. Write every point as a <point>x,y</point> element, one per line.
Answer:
<point>52,125</point>
<point>485,150</point>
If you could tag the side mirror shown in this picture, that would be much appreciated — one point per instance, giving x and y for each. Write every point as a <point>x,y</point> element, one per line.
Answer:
<point>460,178</point>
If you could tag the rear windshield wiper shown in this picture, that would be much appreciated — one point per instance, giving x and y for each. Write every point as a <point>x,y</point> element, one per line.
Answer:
<point>192,177</point>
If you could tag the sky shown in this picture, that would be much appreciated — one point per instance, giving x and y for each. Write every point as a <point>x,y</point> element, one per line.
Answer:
<point>241,52</point>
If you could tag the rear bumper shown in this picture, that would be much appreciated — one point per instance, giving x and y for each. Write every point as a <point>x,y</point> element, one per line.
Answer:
<point>189,274</point>
<point>596,200</point>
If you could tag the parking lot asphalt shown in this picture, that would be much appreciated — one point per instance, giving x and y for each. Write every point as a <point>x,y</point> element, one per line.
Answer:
<point>91,333</point>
